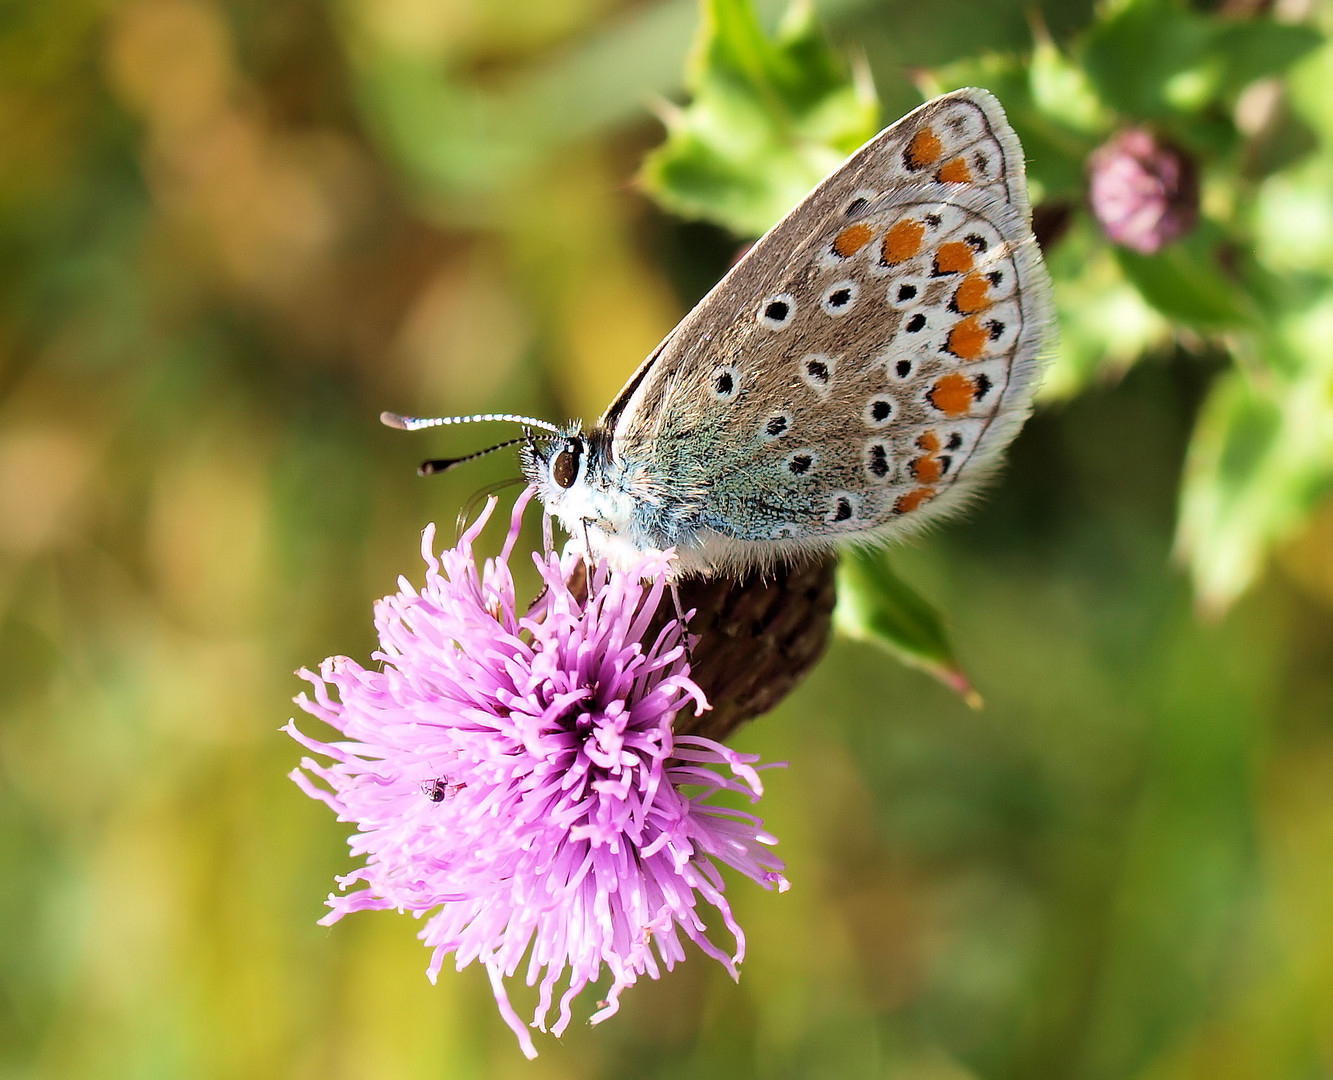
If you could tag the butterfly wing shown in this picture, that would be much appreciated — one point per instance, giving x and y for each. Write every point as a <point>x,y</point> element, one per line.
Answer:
<point>861,369</point>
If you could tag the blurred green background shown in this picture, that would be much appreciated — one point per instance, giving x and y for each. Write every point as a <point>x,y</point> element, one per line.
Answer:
<point>232,231</point>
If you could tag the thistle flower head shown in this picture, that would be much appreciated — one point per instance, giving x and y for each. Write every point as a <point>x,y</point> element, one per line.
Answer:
<point>515,780</point>
<point>1143,191</point>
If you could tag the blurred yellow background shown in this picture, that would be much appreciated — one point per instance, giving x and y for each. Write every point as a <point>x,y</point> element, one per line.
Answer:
<point>231,232</point>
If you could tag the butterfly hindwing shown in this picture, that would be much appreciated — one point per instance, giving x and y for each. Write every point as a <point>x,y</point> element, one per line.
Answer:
<point>863,365</point>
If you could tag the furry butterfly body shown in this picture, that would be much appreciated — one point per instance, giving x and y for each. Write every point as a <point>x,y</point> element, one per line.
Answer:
<point>855,376</point>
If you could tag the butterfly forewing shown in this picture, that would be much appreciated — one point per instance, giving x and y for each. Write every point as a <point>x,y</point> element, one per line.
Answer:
<point>867,360</point>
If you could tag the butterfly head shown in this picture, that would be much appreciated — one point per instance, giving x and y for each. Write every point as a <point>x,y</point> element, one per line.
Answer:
<point>578,482</point>
<point>556,463</point>
<point>564,467</point>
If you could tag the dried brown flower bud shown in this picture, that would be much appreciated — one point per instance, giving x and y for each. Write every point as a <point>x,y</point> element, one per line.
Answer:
<point>756,638</point>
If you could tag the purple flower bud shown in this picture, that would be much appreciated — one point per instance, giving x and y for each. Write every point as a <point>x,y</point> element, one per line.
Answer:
<point>515,778</point>
<point>1144,192</point>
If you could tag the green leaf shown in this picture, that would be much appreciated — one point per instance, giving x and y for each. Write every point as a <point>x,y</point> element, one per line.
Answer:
<point>1156,60</point>
<point>1105,323</point>
<point>769,119</point>
<point>1293,219</point>
<point>1185,283</point>
<point>1062,91</point>
<point>1258,48</point>
<point>1153,61</point>
<point>1260,461</point>
<point>877,606</point>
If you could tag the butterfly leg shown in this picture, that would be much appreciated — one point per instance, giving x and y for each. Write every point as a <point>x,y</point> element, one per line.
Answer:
<point>587,548</point>
<point>548,538</point>
<point>539,599</point>
<point>680,618</point>
<point>675,600</point>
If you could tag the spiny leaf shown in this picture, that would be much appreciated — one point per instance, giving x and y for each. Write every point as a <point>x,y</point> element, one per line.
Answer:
<point>768,120</point>
<point>876,605</point>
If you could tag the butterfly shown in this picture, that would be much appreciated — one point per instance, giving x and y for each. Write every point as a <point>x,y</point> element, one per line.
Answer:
<point>854,377</point>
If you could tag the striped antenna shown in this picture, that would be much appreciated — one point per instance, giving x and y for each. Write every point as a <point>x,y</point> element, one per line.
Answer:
<point>416,423</point>
<point>439,465</point>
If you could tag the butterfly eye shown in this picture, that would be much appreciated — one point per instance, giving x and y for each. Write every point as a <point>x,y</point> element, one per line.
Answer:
<point>565,467</point>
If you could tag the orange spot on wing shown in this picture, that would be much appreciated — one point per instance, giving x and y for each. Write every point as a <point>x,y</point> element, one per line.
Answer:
<point>924,149</point>
<point>971,294</point>
<point>954,172</point>
<point>902,241</point>
<point>955,257</point>
<point>909,502</point>
<point>952,394</point>
<point>927,469</point>
<point>851,240</point>
<point>967,339</point>
<point>928,441</point>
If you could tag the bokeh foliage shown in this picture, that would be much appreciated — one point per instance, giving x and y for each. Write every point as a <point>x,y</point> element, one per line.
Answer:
<point>766,115</point>
<point>232,231</point>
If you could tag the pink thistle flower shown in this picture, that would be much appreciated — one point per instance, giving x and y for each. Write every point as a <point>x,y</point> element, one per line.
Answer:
<point>515,779</point>
<point>1143,191</point>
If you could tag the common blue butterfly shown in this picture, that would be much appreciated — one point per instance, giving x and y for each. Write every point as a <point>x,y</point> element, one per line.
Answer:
<point>854,377</point>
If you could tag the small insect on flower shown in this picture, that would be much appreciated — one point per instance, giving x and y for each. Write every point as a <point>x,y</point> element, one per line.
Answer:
<point>515,779</point>
<point>439,789</point>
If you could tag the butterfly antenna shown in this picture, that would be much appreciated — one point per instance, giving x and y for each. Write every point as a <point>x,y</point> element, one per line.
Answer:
<point>417,423</point>
<point>439,465</point>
